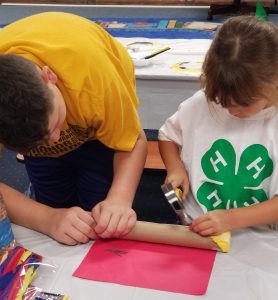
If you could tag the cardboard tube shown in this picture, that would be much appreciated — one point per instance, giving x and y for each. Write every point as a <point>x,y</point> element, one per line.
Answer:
<point>178,235</point>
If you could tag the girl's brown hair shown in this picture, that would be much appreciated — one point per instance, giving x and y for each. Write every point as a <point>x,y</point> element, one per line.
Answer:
<point>242,59</point>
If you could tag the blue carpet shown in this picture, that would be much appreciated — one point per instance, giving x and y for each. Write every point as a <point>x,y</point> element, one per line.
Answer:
<point>12,172</point>
<point>152,28</point>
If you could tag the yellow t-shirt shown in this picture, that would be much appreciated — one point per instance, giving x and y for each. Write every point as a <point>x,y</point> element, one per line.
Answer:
<point>95,77</point>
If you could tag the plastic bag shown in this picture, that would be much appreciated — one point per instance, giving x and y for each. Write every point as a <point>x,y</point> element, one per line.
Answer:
<point>23,276</point>
<point>35,293</point>
<point>18,267</point>
<point>39,290</point>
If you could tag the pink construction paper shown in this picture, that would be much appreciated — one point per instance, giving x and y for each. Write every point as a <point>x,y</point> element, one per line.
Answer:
<point>147,265</point>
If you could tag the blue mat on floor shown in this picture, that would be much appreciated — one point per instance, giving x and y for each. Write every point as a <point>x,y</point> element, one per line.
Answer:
<point>156,28</point>
<point>12,172</point>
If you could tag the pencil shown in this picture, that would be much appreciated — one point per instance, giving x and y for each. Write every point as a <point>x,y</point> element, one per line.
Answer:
<point>157,52</point>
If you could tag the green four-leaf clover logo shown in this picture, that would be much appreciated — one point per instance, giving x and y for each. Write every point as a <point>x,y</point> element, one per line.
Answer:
<point>229,186</point>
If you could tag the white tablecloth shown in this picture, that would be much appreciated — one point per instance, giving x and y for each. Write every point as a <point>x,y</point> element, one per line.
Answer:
<point>191,51</point>
<point>248,272</point>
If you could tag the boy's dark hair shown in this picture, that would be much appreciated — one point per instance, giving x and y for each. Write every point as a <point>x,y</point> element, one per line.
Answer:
<point>242,59</point>
<point>25,104</point>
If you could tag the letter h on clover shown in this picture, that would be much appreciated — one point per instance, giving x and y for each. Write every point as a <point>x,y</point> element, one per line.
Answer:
<point>228,186</point>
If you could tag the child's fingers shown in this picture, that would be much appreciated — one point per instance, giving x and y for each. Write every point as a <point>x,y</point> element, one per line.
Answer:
<point>96,212</point>
<point>71,236</point>
<point>81,220</point>
<point>185,189</point>
<point>87,225</point>
<point>87,218</point>
<point>200,224</point>
<point>67,240</point>
<point>126,225</point>
<point>207,232</point>
<point>111,227</point>
<point>184,195</point>
<point>102,222</point>
<point>76,235</point>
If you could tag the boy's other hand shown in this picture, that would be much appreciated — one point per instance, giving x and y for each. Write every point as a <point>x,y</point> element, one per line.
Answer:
<point>71,226</point>
<point>113,219</point>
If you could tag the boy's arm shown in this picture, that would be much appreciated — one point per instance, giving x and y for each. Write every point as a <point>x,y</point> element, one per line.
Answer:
<point>176,173</point>
<point>66,225</point>
<point>128,168</point>
<point>218,221</point>
<point>114,215</point>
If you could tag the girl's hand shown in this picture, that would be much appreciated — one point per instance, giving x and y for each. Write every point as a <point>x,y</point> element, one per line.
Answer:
<point>179,179</point>
<point>212,223</point>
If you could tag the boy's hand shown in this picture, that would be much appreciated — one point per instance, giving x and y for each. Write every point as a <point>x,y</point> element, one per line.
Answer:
<point>113,219</point>
<point>212,223</point>
<point>179,179</point>
<point>71,225</point>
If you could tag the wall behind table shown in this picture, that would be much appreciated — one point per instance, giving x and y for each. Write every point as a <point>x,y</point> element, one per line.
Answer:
<point>159,99</point>
<point>11,13</point>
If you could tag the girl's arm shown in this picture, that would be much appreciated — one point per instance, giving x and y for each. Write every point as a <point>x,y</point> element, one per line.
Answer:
<point>219,221</point>
<point>176,173</point>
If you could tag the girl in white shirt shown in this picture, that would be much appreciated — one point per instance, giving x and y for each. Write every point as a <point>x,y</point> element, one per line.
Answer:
<point>221,146</point>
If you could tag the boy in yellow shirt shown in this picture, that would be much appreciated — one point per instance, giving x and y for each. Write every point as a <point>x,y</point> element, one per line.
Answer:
<point>68,102</point>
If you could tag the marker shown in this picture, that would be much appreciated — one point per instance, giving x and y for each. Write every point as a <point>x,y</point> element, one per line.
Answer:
<point>157,52</point>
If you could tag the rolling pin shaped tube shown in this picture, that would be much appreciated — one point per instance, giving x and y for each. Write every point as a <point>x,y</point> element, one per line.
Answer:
<point>178,235</point>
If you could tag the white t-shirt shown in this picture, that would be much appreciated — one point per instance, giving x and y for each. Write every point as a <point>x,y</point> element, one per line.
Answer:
<point>231,162</point>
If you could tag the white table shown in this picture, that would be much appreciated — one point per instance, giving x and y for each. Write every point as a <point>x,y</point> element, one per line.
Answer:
<point>248,272</point>
<point>161,89</point>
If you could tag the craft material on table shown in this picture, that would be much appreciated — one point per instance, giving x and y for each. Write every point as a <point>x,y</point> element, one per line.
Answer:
<point>143,60</point>
<point>48,296</point>
<point>182,62</point>
<point>189,68</point>
<point>157,52</point>
<point>148,265</point>
<point>18,267</point>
